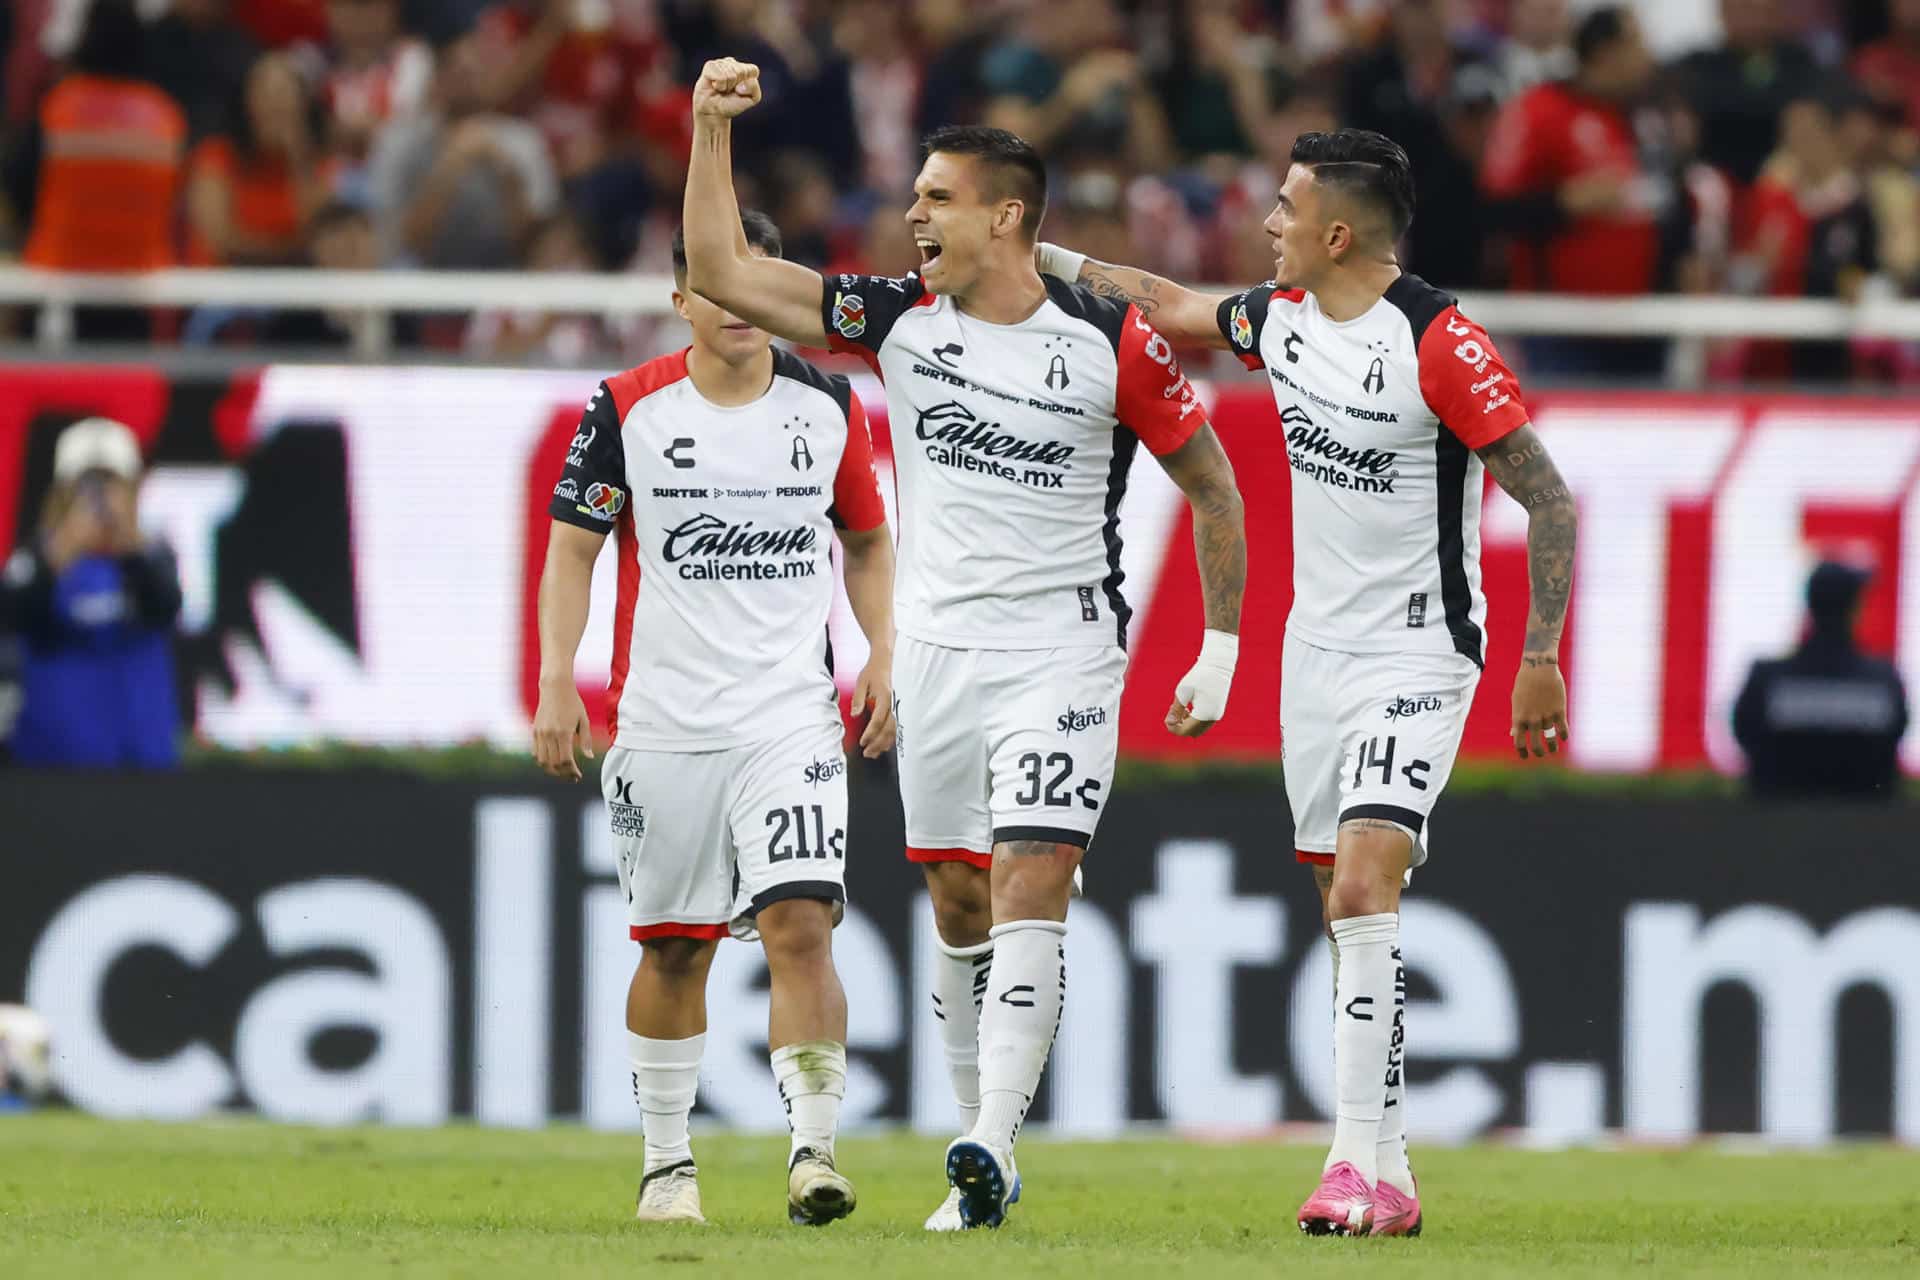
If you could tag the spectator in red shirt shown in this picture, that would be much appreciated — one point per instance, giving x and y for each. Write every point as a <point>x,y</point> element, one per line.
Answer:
<point>250,192</point>
<point>1890,69</point>
<point>1575,141</point>
<point>376,72</point>
<point>1563,174</point>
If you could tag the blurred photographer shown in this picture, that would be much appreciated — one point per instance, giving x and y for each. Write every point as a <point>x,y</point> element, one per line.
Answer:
<point>93,606</point>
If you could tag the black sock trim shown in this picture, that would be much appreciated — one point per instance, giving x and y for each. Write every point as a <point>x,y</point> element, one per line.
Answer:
<point>665,1170</point>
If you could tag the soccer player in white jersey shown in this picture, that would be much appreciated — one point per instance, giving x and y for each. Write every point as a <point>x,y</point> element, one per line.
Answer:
<point>1392,403</point>
<point>1016,408</point>
<point>725,470</point>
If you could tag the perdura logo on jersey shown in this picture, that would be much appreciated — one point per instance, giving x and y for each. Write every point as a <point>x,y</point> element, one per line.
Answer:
<point>707,548</point>
<point>957,438</point>
<point>1345,467</point>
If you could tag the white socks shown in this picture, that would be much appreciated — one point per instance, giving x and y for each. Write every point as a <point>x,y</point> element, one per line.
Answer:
<point>1025,991</point>
<point>959,986</point>
<point>1363,1027</point>
<point>665,1076</point>
<point>1392,1146</point>
<point>813,1080</point>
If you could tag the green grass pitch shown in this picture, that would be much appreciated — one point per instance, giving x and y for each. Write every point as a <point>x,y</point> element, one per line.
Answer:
<point>86,1197</point>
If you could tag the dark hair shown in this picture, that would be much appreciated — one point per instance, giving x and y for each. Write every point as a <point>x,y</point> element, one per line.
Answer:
<point>334,214</point>
<point>1597,32</point>
<point>1017,172</point>
<point>761,235</point>
<point>113,42</point>
<point>1364,165</point>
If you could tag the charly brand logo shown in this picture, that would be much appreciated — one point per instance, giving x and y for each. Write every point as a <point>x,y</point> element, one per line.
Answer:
<point>673,451</point>
<point>1403,706</point>
<point>1074,720</point>
<point>957,438</point>
<point>820,771</point>
<point>1344,467</point>
<point>953,350</point>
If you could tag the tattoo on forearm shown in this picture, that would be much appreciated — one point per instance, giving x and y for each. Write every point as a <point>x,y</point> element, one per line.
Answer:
<point>1521,466</point>
<point>1124,284</point>
<point>1220,546</point>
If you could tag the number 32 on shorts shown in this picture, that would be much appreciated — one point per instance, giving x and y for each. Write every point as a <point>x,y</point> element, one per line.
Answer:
<point>1047,781</point>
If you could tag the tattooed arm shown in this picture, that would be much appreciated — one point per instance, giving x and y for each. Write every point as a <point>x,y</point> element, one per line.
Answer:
<point>1520,464</point>
<point>1185,317</point>
<point>1201,469</point>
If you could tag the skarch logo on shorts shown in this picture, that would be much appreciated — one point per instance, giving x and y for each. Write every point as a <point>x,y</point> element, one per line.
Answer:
<point>1073,720</point>
<point>824,771</point>
<point>1404,706</point>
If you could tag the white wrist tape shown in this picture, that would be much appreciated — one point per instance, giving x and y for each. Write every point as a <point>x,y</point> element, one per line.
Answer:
<point>1055,261</point>
<point>1203,690</point>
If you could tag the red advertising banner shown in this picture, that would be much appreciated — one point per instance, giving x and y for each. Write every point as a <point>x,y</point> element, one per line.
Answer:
<point>360,547</point>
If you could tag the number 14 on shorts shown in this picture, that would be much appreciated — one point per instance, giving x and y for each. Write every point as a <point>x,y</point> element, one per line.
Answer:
<point>1378,753</point>
<point>789,831</point>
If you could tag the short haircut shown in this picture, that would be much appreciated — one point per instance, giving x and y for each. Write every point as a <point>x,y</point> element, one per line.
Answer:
<point>112,42</point>
<point>761,235</point>
<point>1365,166</point>
<point>1014,169</point>
<point>1598,31</point>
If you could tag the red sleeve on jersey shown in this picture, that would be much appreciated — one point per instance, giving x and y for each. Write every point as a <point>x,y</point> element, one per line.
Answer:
<point>637,384</point>
<point>1151,396</point>
<point>1466,383</point>
<point>856,489</point>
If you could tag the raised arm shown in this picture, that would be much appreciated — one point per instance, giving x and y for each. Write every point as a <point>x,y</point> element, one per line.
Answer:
<point>1520,464</point>
<point>781,297</point>
<point>1185,317</point>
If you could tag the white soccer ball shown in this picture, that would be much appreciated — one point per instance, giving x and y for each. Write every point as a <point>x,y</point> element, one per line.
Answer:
<point>26,1053</point>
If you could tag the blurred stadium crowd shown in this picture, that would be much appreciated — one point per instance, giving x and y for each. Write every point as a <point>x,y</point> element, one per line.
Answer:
<point>1764,147</point>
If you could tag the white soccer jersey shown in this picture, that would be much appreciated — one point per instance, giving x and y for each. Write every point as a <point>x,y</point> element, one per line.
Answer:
<point>1382,415</point>
<point>724,518</point>
<point>1011,445</point>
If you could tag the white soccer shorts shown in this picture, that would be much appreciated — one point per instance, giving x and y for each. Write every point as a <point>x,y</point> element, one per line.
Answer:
<point>1368,736</point>
<point>706,839</point>
<point>1004,744</point>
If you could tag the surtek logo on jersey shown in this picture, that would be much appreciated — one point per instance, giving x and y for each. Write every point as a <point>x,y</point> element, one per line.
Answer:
<point>709,549</point>
<point>603,501</point>
<point>956,438</point>
<point>1314,451</point>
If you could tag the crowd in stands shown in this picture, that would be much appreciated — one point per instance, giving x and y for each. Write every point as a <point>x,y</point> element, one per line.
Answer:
<point>1765,147</point>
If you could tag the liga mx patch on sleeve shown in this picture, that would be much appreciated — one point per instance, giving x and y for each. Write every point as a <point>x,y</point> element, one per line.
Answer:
<point>1242,327</point>
<point>603,502</point>
<point>849,314</point>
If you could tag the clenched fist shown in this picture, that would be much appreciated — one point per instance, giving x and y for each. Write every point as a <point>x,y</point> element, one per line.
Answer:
<point>726,87</point>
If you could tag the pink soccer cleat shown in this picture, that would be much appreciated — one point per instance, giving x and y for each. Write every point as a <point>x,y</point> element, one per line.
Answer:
<point>1395,1213</point>
<point>1341,1206</point>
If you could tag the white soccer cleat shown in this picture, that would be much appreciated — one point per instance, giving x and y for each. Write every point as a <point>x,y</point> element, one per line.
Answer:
<point>947,1216</point>
<point>817,1193</point>
<point>671,1194</point>
<point>985,1181</point>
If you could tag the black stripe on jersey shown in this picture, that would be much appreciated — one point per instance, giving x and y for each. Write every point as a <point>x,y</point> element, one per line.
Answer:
<point>788,365</point>
<point>1107,315</point>
<point>1124,445</point>
<point>1422,304</point>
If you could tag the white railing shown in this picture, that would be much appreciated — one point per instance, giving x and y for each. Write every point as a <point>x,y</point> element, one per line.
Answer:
<point>375,296</point>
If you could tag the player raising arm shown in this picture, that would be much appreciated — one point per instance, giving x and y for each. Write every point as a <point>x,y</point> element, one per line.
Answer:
<point>1017,407</point>
<point>726,470</point>
<point>1391,401</point>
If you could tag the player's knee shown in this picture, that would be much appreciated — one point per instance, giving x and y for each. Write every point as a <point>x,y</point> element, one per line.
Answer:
<point>796,930</point>
<point>962,902</point>
<point>678,959</point>
<point>1032,879</point>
